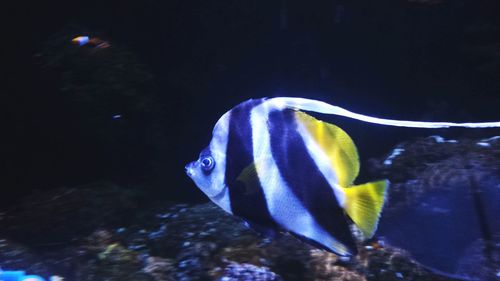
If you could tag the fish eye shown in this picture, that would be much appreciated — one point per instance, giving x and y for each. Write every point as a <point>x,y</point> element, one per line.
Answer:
<point>207,163</point>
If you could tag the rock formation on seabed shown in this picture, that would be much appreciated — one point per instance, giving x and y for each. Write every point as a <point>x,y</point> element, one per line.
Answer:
<point>104,232</point>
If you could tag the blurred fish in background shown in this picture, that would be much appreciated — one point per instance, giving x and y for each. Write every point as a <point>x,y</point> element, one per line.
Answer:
<point>94,42</point>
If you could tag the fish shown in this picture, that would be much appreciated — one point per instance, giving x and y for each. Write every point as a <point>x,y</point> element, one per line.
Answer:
<point>90,41</point>
<point>282,170</point>
<point>80,40</point>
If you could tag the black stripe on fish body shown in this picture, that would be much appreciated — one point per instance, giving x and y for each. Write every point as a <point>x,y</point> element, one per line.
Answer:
<point>246,197</point>
<point>305,179</point>
<point>239,151</point>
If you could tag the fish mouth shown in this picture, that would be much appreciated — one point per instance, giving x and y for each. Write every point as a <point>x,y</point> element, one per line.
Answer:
<point>189,169</point>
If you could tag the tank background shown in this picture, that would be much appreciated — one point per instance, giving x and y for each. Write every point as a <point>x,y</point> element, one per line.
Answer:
<point>429,60</point>
<point>173,68</point>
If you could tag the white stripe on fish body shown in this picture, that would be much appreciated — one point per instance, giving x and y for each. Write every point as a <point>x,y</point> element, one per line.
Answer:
<point>325,108</point>
<point>284,207</point>
<point>322,162</point>
<point>223,200</point>
<point>218,147</point>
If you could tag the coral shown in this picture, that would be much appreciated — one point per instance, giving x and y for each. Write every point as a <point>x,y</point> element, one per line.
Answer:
<point>15,256</point>
<point>115,263</point>
<point>104,240</point>
<point>62,216</point>
<point>481,260</point>
<point>160,269</point>
<point>443,195</point>
<point>247,272</point>
<point>201,242</point>
<point>435,164</point>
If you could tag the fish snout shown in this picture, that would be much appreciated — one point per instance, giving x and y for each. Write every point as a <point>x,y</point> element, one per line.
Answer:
<point>189,169</point>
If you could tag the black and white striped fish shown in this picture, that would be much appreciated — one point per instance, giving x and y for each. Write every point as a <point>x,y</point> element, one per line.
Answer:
<point>281,169</point>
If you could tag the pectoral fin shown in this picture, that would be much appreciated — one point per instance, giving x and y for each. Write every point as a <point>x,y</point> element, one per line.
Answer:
<point>364,204</point>
<point>249,178</point>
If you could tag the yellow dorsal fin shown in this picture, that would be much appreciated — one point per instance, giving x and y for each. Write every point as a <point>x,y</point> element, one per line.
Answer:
<point>363,204</point>
<point>336,144</point>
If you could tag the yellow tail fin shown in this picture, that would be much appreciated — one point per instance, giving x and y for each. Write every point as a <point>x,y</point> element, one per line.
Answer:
<point>364,203</point>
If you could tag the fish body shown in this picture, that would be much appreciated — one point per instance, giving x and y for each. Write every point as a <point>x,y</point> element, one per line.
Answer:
<point>80,40</point>
<point>280,169</point>
<point>90,41</point>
